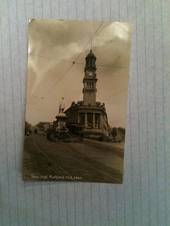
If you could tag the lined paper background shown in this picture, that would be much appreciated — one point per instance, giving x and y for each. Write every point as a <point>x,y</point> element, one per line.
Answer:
<point>144,197</point>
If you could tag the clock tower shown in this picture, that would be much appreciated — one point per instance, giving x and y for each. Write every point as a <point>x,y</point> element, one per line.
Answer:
<point>89,81</point>
<point>88,117</point>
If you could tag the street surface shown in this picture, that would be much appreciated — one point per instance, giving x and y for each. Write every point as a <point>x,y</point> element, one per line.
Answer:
<point>89,160</point>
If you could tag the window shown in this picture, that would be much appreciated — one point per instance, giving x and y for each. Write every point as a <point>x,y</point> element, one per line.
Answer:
<point>82,118</point>
<point>90,120</point>
<point>97,120</point>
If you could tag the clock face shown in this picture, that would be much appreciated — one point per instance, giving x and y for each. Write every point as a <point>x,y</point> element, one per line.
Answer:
<point>89,73</point>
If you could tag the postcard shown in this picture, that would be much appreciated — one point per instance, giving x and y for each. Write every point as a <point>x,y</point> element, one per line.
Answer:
<point>76,100</point>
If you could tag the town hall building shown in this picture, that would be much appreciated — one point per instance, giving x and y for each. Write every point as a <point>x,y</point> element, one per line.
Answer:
<point>88,117</point>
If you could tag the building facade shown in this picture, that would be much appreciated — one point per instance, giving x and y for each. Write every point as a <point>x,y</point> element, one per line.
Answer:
<point>88,116</point>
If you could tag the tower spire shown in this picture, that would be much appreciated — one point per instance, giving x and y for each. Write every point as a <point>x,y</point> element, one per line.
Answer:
<point>89,81</point>
<point>90,61</point>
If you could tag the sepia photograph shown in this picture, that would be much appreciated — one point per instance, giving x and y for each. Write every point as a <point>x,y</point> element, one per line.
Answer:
<point>76,100</point>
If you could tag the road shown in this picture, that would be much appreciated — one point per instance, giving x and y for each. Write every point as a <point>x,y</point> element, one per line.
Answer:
<point>89,160</point>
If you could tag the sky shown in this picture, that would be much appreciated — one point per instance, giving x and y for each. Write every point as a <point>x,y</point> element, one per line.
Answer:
<point>53,46</point>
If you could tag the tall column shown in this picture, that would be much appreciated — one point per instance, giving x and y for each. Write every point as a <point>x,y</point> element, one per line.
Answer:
<point>85,120</point>
<point>78,118</point>
<point>100,122</point>
<point>93,120</point>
